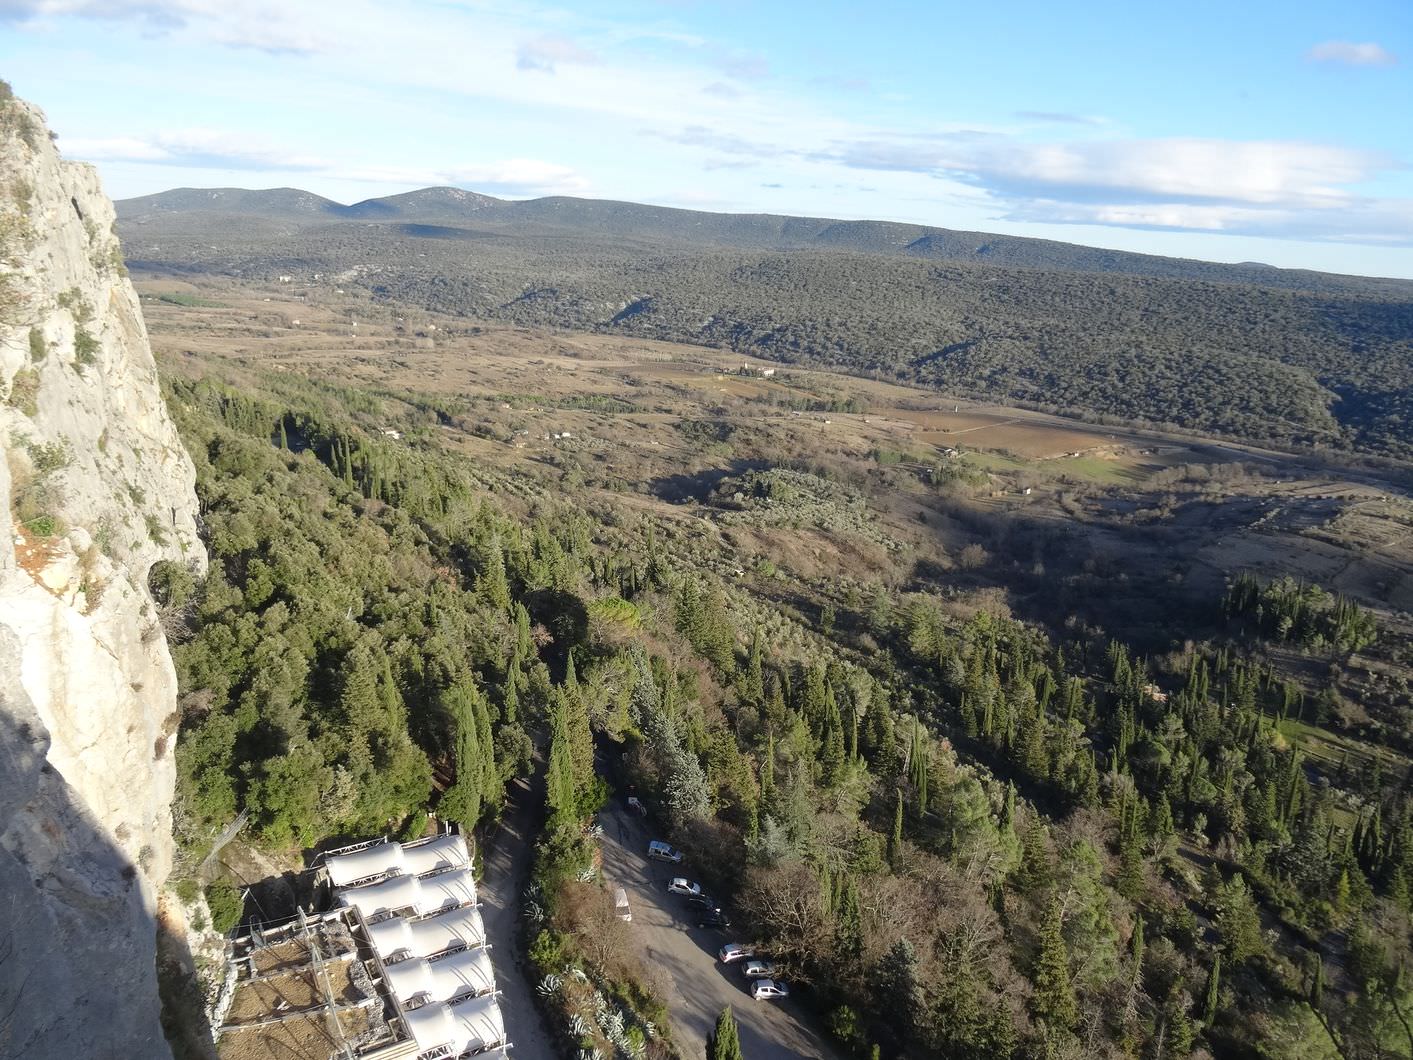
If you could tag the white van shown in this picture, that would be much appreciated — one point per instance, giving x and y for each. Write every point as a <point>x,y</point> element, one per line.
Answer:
<point>620,905</point>
<point>661,851</point>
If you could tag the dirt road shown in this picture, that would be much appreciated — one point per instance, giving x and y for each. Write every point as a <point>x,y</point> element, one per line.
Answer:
<point>770,1030</point>
<point>508,852</point>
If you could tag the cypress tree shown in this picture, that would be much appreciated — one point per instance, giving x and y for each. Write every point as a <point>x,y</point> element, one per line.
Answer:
<point>1053,1001</point>
<point>848,923</point>
<point>895,841</point>
<point>1212,994</point>
<point>725,1041</point>
<point>463,800</point>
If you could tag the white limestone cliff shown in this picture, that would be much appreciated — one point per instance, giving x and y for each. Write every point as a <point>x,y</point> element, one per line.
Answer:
<point>98,489</point>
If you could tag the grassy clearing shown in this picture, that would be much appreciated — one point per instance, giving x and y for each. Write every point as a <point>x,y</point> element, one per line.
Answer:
<point>1330,748</point>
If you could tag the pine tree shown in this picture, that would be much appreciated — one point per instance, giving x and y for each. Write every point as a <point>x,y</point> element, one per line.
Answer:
<point>1177,1024</point>
<point>898,982</point>
<point>1053,1001</point>
<point>1238,921</point>
<point>725,1041</point>
<point>492,584</point>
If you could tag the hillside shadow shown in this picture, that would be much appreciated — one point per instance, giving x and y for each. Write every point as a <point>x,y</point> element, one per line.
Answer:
<point>698,485</point>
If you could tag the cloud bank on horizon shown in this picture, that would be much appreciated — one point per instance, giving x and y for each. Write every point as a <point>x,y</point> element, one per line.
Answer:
<point>1268,140</point>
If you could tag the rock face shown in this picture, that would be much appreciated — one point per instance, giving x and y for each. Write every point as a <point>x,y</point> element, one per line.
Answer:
<point>99,488</point>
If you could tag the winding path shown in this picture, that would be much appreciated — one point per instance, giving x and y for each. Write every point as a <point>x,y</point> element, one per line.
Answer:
<point>508,852</point>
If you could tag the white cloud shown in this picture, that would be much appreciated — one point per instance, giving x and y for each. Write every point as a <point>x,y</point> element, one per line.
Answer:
<point>114,148</point>
<point>1256,171</point>
<point>548,50</point>
<point>191,147</point>
<point>260,25</point>
<point>1347,53</point>
<point>512,176</point>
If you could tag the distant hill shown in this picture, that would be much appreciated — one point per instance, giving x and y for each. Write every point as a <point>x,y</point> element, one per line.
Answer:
<point>661,224</point>
<point>1276,356</point>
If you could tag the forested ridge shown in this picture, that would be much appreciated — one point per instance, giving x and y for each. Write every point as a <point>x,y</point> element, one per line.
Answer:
<point>1311,364</point>
<point>966,835</point>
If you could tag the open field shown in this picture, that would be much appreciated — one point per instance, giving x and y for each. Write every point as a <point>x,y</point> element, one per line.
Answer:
<point>1069,522</point>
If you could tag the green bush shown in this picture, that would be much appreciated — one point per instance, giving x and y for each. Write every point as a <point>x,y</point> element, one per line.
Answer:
<point>38,348</point>
<point>43,526</point>
<point>845,1025</point>
<point>171,583</point>
<point>226,904</point>
<point>85,348</point>
<point>547,952</point>
<point>24,391</point>
<point>415,828</point>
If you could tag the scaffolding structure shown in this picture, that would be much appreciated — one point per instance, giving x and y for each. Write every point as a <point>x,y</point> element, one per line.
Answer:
<point>317,986</point>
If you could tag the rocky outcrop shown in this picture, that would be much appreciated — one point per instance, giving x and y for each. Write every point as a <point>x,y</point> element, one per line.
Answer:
<point>99,488</point>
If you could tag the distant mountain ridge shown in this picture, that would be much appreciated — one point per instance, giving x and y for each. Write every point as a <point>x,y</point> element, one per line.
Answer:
<point>1270,355</point>
<point>447,207</point>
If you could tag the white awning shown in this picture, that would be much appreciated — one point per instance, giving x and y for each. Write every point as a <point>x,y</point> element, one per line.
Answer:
<point>455,975</point>
<point>391,937</point>
<point>447,889</point>
<point>377,860</point>
<point>439,852</point>
<point>400,892</point>
<point>434,934</point>
<point>445,931</point>
<point>466,972</point>
<point>480,1022</point>
<point>473,1024</point>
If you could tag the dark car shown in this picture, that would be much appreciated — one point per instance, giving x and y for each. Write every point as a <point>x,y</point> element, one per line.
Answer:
<point>703,901</point>
<point>714,918</point>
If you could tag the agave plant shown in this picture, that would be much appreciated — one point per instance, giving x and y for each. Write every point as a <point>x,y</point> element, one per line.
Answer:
<point>589,1054</point>
<point>612,1024</point>
<point>579,1026</point>
<point>549,985</point>
<point>649,1031</point>
<point>586,875</point>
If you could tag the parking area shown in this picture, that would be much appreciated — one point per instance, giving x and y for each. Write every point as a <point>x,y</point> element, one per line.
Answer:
<point>665,924</point>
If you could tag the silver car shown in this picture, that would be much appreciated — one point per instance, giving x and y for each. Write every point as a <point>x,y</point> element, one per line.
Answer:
<point>765,989</point>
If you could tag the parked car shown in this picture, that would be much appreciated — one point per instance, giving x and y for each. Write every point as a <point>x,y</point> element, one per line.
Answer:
<point>681,885</point>
<point>703,901</point>
<point>714,918</point>
<point>635,806</point>
<point>765,989</point>
<point>660,851</point>
<point>620,905</point>
<point>734,951</point>
<point>758,970</point>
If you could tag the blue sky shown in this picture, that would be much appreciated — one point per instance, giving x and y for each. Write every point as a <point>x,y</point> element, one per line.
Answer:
<point>1243,130</point>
